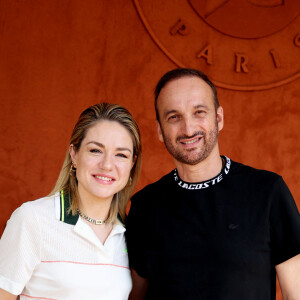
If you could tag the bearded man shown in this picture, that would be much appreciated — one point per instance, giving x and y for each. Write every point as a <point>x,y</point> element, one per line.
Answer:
<point>212,229</point>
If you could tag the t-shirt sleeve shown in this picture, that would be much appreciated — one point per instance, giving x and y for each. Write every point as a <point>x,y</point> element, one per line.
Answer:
<point>137,236</point>
<point>285,224</point>
<point>19,250</point>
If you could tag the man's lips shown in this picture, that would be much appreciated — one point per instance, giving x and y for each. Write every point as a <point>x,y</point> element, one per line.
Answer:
<point>190,141</point>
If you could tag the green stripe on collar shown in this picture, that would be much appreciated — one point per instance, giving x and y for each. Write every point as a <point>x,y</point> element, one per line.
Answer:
<point>120,220</point>
<point>64,207</point>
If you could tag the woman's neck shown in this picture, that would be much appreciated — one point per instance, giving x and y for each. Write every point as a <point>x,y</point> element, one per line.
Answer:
<point>95,208</point>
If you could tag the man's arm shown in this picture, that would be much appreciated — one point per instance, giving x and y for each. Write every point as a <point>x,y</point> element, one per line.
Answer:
<point>288,274</point>
<point>139,286</point>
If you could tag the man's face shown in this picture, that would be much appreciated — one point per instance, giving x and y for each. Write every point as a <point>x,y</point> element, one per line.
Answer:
<point>189,123</point>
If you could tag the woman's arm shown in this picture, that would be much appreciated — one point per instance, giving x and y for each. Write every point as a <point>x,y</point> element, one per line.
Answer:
<point>4,295</point>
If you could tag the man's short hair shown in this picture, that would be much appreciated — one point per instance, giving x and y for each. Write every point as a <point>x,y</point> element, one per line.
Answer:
<point>179,73</point>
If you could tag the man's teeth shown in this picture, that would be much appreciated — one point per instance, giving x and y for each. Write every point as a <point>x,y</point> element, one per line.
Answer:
<point>104,178</point>
<point>192,141</point>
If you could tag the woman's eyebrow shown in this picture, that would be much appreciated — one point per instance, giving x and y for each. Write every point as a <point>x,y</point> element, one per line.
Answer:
<point>102,146</point>
<point>96,143</point>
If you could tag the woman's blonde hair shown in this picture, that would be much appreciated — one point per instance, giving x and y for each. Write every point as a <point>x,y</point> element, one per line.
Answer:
<point>67,180</point>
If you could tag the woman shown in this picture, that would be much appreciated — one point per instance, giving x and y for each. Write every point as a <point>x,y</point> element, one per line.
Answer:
<point>70,245</point>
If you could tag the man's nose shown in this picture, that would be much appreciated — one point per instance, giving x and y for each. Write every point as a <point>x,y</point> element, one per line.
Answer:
<point>189,126</point>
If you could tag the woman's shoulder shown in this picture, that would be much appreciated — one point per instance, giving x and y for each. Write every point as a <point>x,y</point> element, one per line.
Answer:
<point>31,209</point>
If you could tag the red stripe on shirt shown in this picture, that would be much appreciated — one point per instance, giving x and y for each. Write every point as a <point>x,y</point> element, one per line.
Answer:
<point>82,263</point>
<point>37,297</point>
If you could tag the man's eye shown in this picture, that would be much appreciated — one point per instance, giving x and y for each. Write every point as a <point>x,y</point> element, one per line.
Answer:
<point>173,118</point>
<point>200,113</point>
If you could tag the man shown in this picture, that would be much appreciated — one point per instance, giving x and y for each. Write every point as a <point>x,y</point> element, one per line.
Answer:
<point>212,229</point>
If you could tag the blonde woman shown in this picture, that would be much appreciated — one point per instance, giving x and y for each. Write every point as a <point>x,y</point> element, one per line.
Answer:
<point>70,245</point>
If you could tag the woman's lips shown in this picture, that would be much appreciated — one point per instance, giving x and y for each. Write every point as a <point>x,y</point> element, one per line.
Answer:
<point>104,178</point>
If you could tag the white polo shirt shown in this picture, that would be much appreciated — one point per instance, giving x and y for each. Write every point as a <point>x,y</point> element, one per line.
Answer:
<point>47,254</point>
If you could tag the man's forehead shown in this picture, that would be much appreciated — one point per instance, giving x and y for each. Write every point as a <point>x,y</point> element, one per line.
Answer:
<point>186,90</point>
<point>186,80</point>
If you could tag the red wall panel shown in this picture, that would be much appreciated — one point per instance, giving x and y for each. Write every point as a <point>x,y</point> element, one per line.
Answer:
<point>58,57</point>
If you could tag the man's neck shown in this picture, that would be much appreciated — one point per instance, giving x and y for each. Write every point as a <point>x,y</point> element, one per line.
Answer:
<point>203,171</point>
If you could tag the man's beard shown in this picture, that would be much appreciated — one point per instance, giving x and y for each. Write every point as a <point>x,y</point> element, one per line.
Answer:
<point>192,156</point>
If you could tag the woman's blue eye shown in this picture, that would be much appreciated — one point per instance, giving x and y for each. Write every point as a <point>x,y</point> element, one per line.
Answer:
<point>95,151</point>
<point>121,155</point>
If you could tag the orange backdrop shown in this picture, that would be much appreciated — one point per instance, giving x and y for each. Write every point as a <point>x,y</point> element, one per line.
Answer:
<point>58,57</point>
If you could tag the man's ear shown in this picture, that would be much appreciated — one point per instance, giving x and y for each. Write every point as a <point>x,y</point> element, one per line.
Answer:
<point>220,117</point>
<point>159,132</point>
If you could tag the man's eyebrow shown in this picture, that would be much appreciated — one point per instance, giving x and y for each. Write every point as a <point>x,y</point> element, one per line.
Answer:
<point>175,111</point>
<point>201,106</point>
<point>170,112</point>
<point>102,146</point>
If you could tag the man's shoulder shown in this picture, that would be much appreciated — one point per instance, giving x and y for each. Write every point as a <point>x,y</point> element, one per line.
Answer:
<point>252,173</point>
<point>155,187</point>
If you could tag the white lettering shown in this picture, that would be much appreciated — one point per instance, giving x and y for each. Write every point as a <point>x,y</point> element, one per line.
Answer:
<point>204,185</point>
<point>219,178</point>
<point>185,185</point>
<point>192,186</point>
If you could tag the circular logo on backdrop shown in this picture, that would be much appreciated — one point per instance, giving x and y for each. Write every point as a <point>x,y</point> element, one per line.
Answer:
<point>241,44</point>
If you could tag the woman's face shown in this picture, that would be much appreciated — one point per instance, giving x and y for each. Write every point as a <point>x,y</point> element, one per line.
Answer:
<point>104,160</point>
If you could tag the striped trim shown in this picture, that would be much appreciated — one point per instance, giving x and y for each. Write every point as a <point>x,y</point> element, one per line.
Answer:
<point>42,298</point>
<point>83,263</point>
<point>65,216</point>
<point>62,205</point>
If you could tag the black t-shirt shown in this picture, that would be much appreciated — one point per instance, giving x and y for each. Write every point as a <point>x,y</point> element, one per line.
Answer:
<point>213,240</point>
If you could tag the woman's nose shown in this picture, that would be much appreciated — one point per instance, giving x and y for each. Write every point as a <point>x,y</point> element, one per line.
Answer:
<point>106,162</point>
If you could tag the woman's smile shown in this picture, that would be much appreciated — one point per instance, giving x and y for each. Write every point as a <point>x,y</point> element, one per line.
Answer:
<point>103,163</point>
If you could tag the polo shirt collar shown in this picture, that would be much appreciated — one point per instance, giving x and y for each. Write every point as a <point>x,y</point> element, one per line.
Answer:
<point>62,204</point>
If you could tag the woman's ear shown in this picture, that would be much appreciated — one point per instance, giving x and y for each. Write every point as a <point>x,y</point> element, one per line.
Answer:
<point>134,161</point>
<point>73,153</point>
